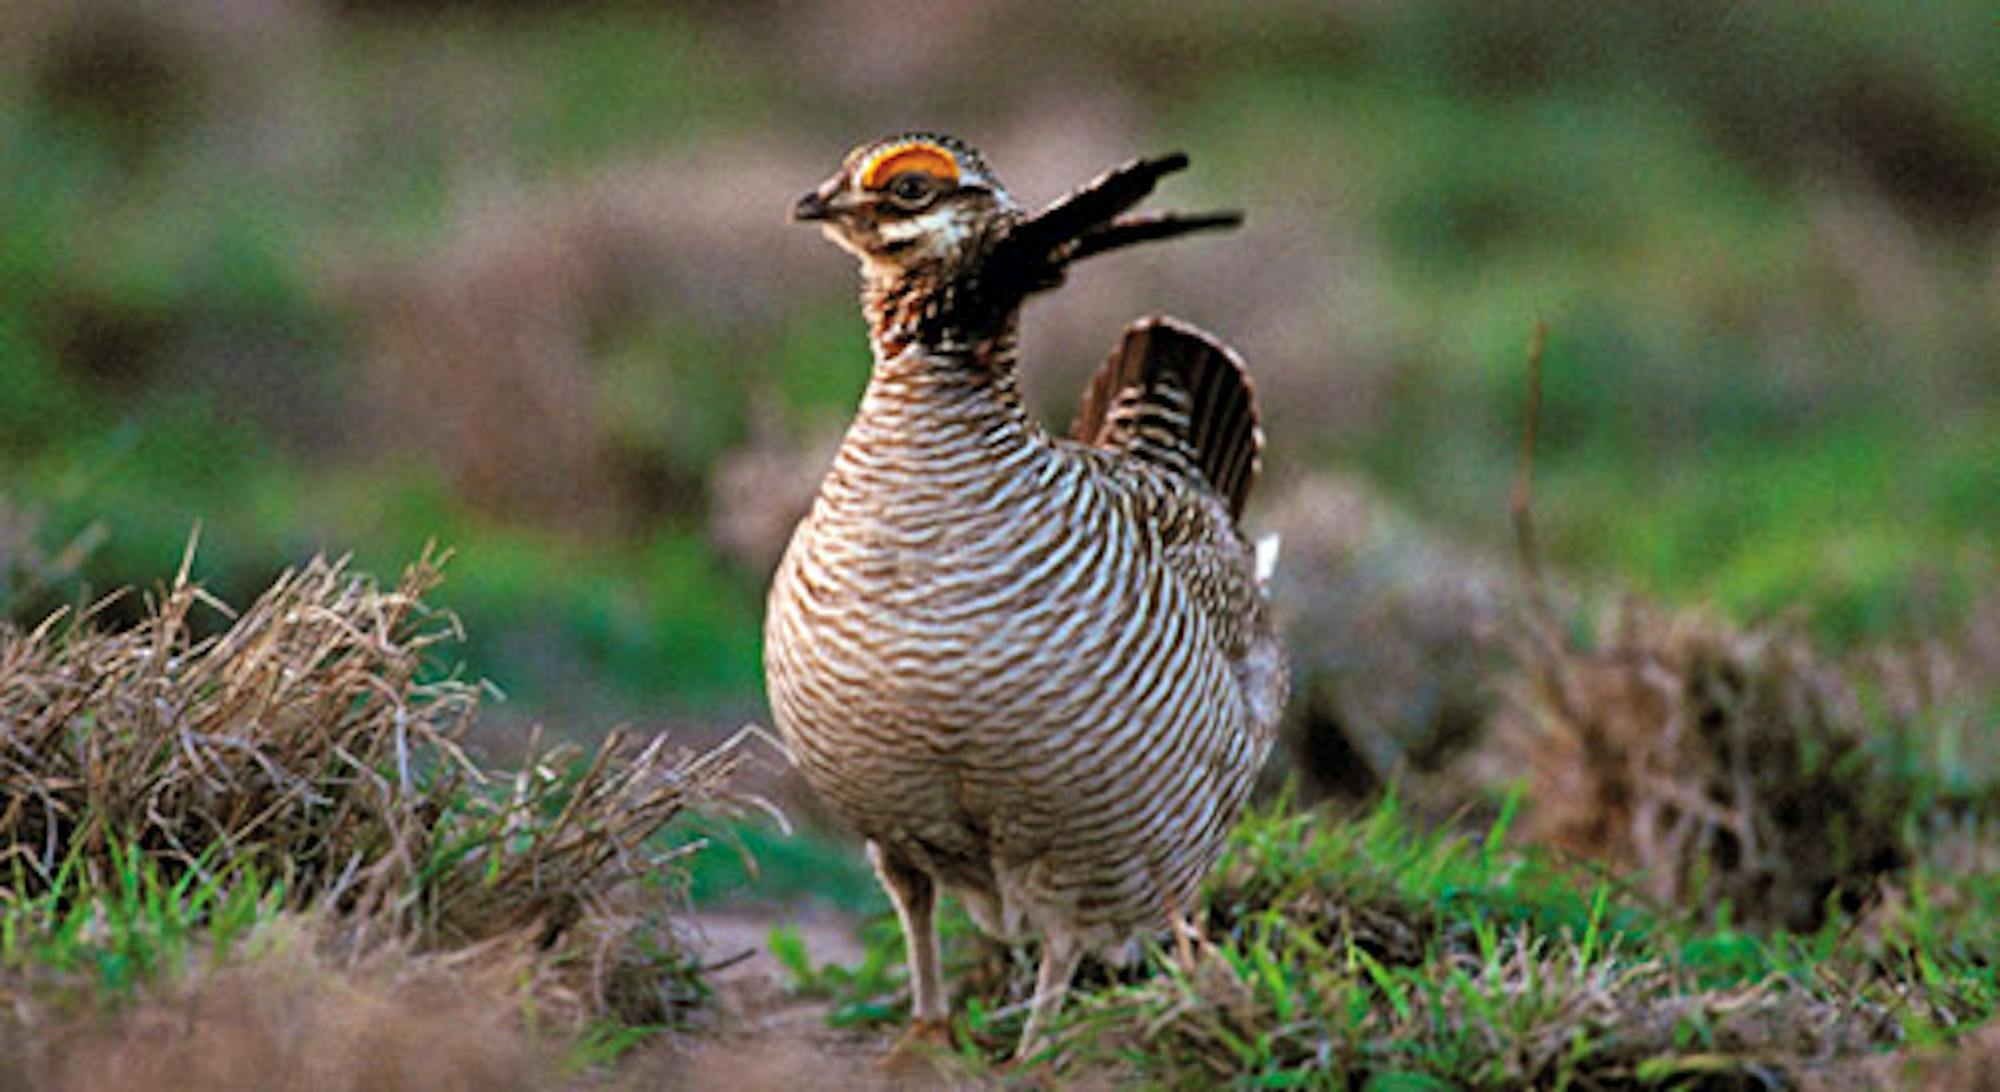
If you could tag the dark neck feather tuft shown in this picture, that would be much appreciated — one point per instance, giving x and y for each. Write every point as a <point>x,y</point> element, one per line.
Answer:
<point>951,307</point>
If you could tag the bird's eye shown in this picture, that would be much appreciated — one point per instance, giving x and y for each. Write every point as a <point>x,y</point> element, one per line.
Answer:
<point>910,188</point>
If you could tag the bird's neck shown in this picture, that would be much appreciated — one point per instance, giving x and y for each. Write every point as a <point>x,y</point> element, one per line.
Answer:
<point>947,303</point>
<point>941,366</point>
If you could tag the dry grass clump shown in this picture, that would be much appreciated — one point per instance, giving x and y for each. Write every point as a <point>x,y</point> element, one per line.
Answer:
<point>297,735</point>
<point>1716,763</point>
<point>1395,638</point>
<point>1724,765</point>
<point>307,741</point>
<point>286,1014</point>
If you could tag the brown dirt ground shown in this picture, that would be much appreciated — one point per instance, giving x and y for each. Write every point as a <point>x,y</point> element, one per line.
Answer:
<point>764,1037</point>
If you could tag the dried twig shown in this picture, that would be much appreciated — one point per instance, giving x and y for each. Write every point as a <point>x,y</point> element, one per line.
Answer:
<point>1521,502</point>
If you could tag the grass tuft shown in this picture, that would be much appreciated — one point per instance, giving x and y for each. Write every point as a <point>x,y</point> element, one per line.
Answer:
<point>1371,951</point>
<point>1722,765</point>
<point>170,788</point>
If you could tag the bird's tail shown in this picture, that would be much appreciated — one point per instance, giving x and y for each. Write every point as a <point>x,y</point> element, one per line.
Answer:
<point>1173,394</point>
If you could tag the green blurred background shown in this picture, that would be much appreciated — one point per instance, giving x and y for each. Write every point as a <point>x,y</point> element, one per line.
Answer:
<point>353,275</point>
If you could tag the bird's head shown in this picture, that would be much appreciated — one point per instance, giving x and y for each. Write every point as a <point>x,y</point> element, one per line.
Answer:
<point>947,255</point>
<point>907,201</point>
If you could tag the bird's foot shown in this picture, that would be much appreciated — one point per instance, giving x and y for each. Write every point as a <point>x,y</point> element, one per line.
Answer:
<point>1030,1067</point>
<point>922,1042</point>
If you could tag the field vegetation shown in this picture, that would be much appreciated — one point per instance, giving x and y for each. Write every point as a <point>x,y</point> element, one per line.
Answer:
<point>1693,785</point>
<point>283,813</point>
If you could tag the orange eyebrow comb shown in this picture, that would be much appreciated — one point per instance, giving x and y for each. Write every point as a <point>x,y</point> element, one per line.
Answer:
<point>912,156</point>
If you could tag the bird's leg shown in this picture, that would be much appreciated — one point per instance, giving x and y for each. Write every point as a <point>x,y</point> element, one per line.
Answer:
<point>1060,955</point>
<point>915,896</point>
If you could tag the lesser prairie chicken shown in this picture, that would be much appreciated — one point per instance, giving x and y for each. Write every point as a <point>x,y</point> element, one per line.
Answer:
<point>1039,673</point>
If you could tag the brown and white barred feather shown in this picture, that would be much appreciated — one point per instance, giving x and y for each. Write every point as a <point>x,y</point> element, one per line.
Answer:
<point>1041,671</point>
<point>1176,396</point>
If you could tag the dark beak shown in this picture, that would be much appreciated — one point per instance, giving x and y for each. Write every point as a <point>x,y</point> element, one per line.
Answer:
<point>812,206</point>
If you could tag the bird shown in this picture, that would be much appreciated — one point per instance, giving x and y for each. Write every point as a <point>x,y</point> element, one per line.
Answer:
<point>1037,672</point>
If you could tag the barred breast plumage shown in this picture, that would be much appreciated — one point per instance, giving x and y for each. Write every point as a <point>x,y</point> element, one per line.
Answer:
<point>1039,672</point>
